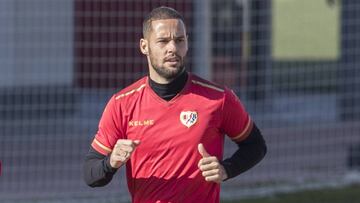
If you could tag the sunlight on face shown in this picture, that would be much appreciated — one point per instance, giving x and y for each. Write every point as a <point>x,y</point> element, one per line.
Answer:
<point>167,45</point>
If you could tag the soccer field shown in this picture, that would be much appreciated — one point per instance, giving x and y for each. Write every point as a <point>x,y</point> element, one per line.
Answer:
<point>305,30</point>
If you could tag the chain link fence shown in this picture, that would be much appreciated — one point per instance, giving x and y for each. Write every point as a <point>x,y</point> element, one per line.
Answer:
<point>294,64</point>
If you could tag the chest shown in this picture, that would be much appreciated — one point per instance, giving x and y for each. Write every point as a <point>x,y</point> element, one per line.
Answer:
<point>174,126</point>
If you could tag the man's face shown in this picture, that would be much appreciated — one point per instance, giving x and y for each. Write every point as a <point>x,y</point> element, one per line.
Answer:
<point>167,48</point>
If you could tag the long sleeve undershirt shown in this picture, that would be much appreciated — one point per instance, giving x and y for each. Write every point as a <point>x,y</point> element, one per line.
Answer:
<point>98,171</point>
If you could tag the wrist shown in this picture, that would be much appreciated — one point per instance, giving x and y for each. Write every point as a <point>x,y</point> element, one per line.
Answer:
<point>226,168</point>
<point>109,167</point>
<point>224,175</point>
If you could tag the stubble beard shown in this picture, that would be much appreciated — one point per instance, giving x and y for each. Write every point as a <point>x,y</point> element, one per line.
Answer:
<point>167,73</point>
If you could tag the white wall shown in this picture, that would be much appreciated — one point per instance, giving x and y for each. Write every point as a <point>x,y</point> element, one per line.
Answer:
<point>39,43</point>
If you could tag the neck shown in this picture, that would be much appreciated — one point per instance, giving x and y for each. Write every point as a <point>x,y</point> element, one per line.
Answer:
<point>154,76</point>
<point>169,90</point>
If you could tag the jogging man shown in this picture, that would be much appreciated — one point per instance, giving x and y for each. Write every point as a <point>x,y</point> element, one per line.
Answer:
<point>168,128</point>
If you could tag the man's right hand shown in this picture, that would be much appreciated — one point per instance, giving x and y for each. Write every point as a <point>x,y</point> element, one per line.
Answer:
<point>122,152</point>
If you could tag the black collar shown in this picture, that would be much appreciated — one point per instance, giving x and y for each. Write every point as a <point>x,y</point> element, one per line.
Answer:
<point>170,90</point>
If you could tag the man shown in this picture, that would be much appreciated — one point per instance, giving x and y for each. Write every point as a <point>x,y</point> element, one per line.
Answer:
<point>168,128</point>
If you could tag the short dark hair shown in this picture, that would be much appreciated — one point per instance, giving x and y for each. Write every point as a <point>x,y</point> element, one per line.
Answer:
<point>160,13</point>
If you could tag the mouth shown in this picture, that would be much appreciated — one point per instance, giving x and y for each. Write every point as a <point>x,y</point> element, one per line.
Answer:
<point>173,61</point>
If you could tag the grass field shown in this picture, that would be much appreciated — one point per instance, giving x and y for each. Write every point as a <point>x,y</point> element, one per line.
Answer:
<point>305,30</point>
<point>350,194</point>
<point>306,39</point>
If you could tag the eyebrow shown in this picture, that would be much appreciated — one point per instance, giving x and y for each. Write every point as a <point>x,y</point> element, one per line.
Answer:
<point>175,37</point>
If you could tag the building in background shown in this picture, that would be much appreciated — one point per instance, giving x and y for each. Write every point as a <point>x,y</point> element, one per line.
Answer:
<point>107,35</point>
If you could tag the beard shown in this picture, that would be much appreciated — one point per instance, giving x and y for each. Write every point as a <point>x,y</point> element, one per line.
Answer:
<point>167,73</point>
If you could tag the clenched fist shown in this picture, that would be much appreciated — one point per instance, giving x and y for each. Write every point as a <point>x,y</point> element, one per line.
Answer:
<point>210,166</point>
<point>122,152</point>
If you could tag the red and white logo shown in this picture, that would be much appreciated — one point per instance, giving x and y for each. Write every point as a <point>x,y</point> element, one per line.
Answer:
<point>188,118</point>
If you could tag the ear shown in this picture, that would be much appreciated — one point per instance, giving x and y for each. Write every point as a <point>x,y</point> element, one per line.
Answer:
<point>144,46</point>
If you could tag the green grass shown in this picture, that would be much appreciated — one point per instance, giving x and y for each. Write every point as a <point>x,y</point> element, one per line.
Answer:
<point>350,194</point>
<point>305,29</point>
<point>305,45</point>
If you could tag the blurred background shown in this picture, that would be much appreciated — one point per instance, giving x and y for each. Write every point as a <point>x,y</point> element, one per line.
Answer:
<point>294,64</point>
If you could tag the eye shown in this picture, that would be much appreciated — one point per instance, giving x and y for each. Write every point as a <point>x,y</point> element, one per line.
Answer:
<point>162,41</point>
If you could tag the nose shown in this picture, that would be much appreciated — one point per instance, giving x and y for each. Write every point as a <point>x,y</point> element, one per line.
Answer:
<point>171,46</point>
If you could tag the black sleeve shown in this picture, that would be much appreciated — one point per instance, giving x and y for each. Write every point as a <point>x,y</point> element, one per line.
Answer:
<point>250,152</point>
<point>97,169</point>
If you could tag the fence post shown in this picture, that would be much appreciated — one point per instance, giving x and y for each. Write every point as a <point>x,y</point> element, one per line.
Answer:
<point>349,69</point>
<point>259,66</point>
<point>202,46</point>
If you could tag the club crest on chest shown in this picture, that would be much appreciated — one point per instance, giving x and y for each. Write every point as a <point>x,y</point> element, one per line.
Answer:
<point>188,118</point>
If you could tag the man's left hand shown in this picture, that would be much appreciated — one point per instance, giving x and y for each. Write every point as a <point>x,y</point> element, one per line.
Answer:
<point>210,166</point>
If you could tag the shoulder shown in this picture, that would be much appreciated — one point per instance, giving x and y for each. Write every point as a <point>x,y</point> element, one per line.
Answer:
<point>211,89</point>
<point>131,90</point>
<point>203,84</point>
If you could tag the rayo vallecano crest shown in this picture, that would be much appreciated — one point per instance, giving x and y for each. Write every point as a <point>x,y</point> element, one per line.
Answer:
<point>188,118</point>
